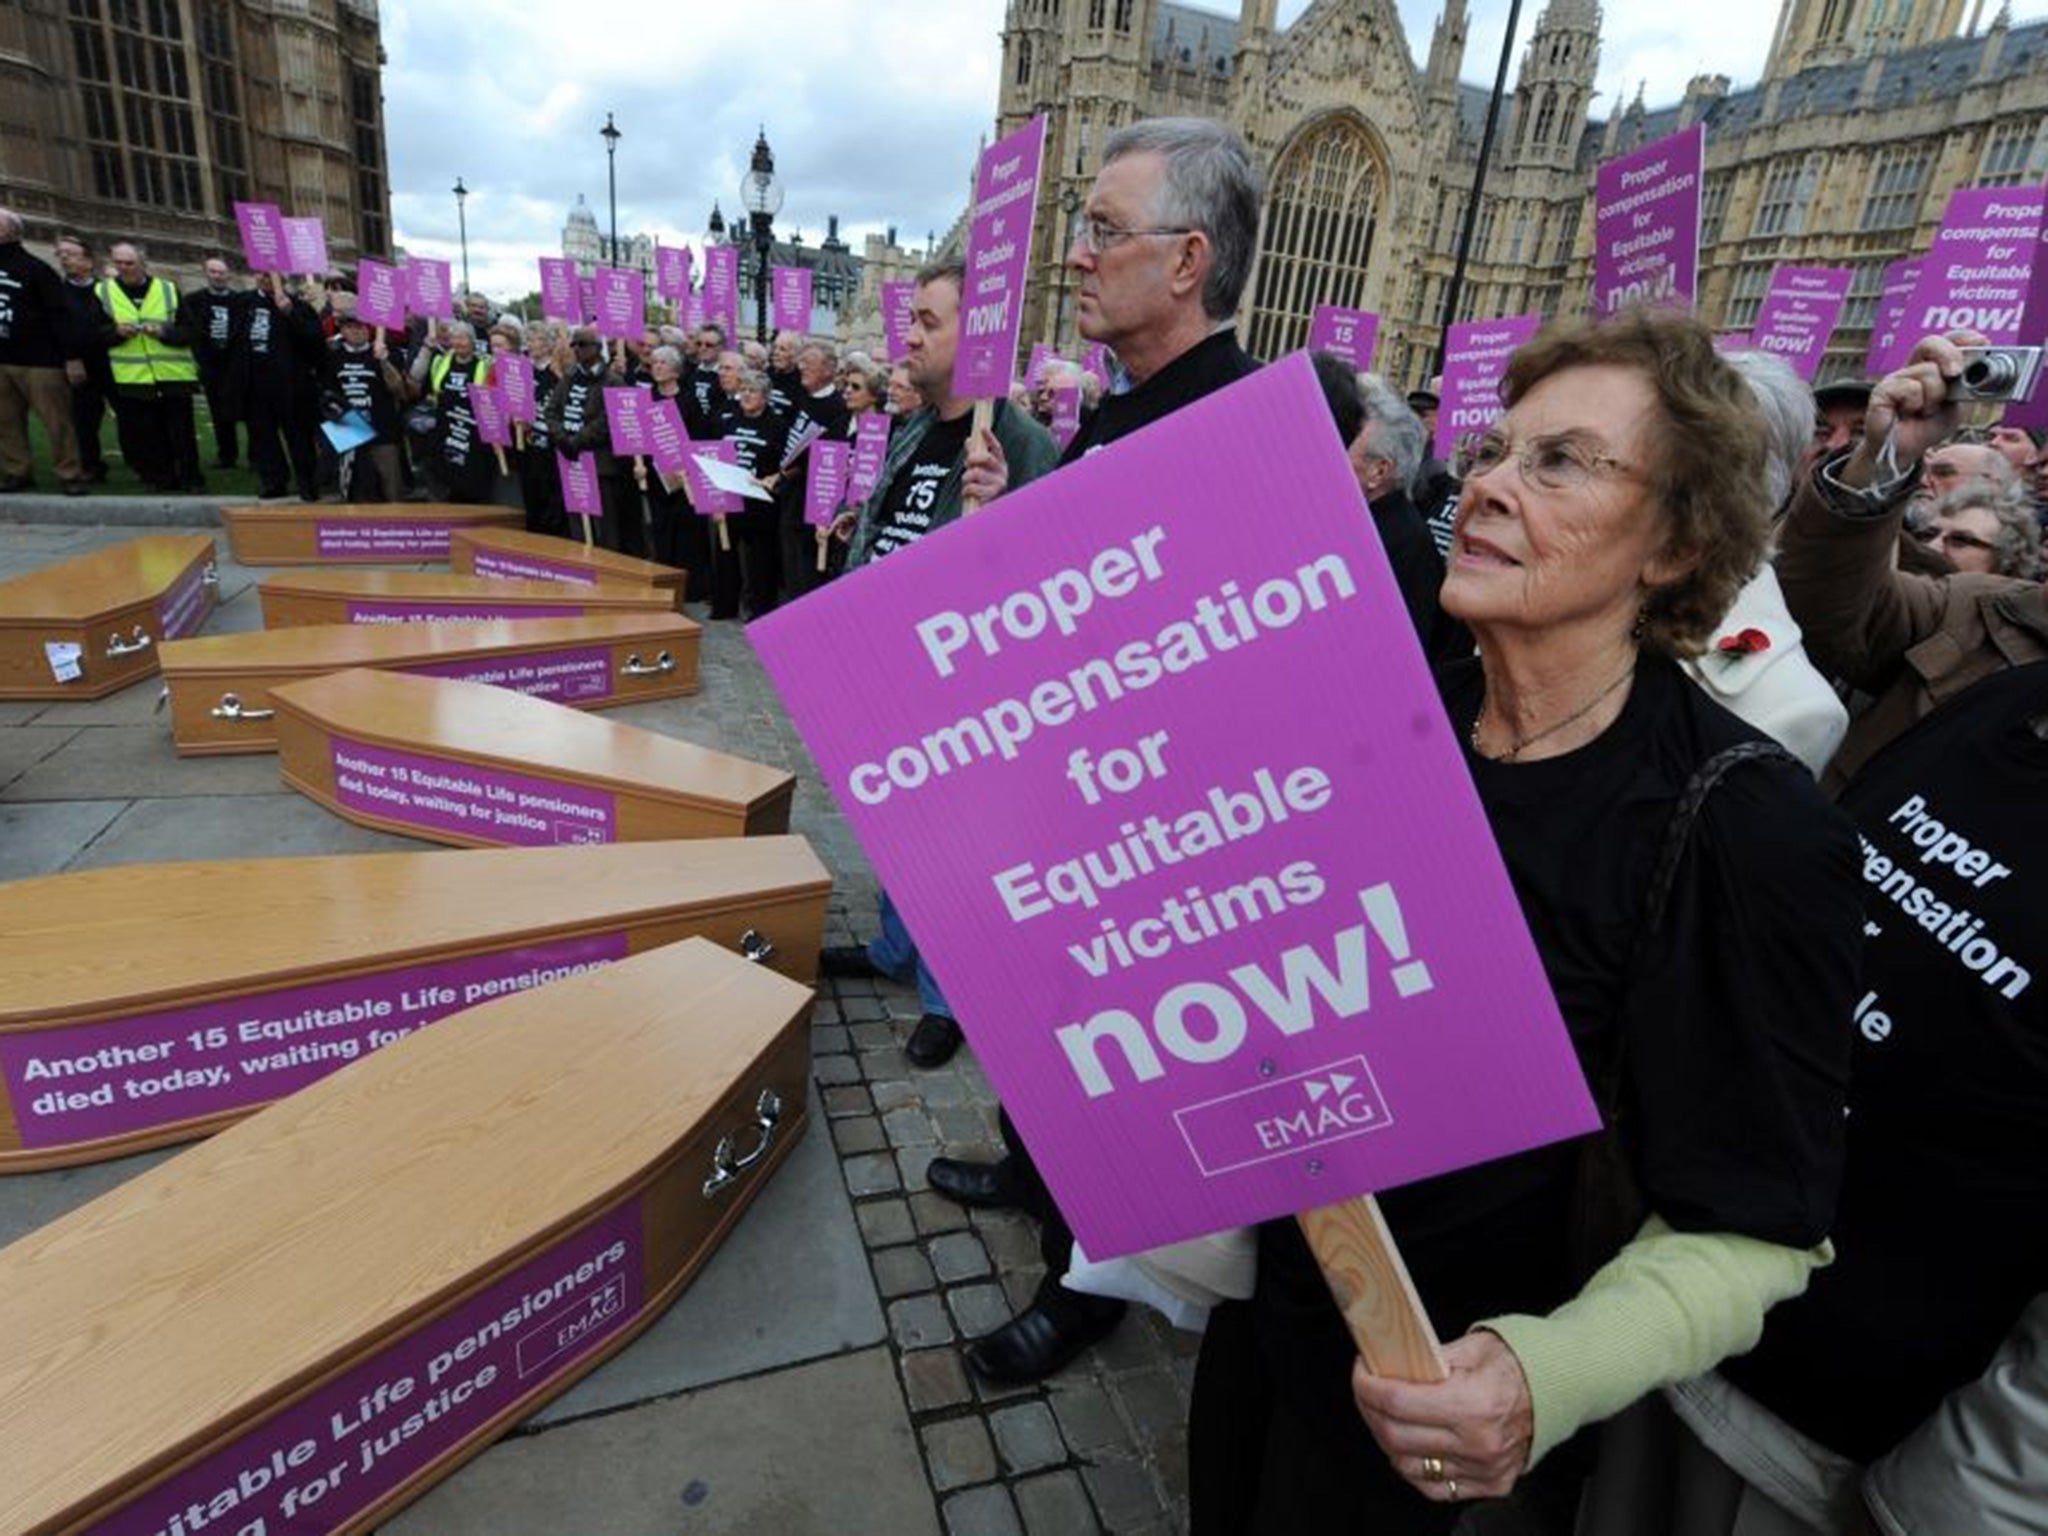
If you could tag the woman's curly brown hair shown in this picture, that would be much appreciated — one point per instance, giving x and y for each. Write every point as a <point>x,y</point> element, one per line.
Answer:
<point>1706,459</point>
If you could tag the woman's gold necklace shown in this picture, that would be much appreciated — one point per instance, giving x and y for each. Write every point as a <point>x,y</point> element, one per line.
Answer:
<point>1523,743</point>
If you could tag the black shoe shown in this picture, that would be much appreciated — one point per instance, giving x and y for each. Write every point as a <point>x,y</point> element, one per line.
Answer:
<point>13,483</point>
<point>990,1186</point>
<point>933,1042</point>
<point>96,473</point>
<point>1043,1337</point>
<point>74,487</point>
<point>847,961</point>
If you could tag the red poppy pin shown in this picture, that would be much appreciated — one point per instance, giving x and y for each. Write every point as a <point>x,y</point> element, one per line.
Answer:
<point>1744,642</point>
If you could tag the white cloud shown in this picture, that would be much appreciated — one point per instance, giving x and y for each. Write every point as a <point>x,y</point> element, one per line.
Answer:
<point>873,107</point>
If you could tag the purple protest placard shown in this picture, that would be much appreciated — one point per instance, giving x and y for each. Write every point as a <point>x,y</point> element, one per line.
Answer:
<point>998,259</point>
<point>690,311</point>
<point>1034,371</point>
<point>580,496</point>
<point>380,1425</point>
<point>898,300</point>
<point>2031,413</point>
<point>1066,413</point>
<point>566,676</point>
<point>429,289</point>
<point>513,375</point>
<point>1095,360</point>
<point>789,294</point>
<point>1222,904</point>
<point>380,294</point>
<point>489,805</point>
<point>493,415</point>
<point>305,246</point>
<point>238,1052</point>
<point>625,412</point>
<point>668,444</point>
<point>672,270</point>
<point>1349,333</point>
<point>586,299</point>
<point>825,487</point>
<point>1475,357</point>
<point>558,298</point>
<point>1900,279</point>
<point>262,227</point>
<point>1799,314</point>
<point>621,302</point>
<point>870,452</point>
<point>511,567</point>
<point>1975,276</point>
<point>1646,231</point>
<point>722,288</point>
<point>707,498</point>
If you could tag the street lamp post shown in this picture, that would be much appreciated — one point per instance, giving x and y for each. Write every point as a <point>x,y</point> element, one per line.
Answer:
<point>1070,204</point>
<point>761,194</point>
<point>611,134</point>
<point>462,224</point>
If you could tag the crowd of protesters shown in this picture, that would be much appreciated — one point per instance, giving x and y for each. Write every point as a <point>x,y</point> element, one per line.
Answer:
<point>1752,682</point>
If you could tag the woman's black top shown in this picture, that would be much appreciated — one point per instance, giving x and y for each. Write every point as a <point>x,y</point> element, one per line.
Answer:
<point>1736,1022</point>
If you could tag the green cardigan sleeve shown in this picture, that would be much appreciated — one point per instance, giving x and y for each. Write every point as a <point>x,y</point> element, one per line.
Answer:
<point>1667,1307</point>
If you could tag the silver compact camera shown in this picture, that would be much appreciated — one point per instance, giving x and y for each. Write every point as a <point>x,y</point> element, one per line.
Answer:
<point>1997,373</point>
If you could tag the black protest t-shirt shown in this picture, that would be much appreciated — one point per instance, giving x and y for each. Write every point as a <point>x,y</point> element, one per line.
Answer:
<point>359,380</point>
<point>458,421</point>
<point>908,502</point>
<point>757,445</point>
<point>1943,1233</point>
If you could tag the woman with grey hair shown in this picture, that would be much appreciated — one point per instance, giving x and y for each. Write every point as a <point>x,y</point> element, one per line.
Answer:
<point>459,468</point>
<point>679,536</point>
<point>1754,665</point>
<point>1986,530</point>
<point>757,435</point>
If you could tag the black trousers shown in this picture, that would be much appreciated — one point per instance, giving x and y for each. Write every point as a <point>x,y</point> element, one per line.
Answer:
<point>281,428</point>
<point>225,410</point>
<point>156,436</point>
<point>88,411</point>
<point>725,568</point>
<point>542,486</point>
<point>756,533</point>
<point>373,473</point>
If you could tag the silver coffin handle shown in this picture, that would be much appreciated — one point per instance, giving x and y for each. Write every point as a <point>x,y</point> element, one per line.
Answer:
<point>756,946</point>
<point>230,708</point>
<point>210,577</point>
<point>728,1162</point>
<point>635,667</point>
<point>138,641</point>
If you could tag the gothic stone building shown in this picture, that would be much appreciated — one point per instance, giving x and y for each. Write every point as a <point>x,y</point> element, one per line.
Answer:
<point>147,120</point>
<point>1869,113</point>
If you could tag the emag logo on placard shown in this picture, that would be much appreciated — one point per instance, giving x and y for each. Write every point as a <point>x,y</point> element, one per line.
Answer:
<point>1284,1117</point>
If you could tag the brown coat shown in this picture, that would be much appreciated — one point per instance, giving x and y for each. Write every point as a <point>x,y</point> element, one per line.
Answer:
<point>1912,641</point>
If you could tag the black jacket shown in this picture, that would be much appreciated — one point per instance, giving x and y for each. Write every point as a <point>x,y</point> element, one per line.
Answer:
<point>36,326</point>
<point>1210,364</point>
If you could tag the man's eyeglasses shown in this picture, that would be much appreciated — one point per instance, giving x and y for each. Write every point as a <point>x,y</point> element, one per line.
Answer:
<point>1952,538</point>
<point>1096,236</point>
<point>1555,462</point>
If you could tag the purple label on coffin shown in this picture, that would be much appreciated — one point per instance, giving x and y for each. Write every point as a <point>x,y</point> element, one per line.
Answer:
<point>183,609</point>
<point>402,612</point>
<point>94,1081</point>
<point>512,810</point>
<point>565,676</point>
<point>338,1450</point>
<point>381,541</point>
<point>488,562</point>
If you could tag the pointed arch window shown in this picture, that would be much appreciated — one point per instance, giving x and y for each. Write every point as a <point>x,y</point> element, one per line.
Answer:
<point>1546,116</point>
<point>1322,215</point>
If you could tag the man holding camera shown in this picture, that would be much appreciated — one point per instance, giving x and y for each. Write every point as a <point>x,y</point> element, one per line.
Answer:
<point>1870,622</point>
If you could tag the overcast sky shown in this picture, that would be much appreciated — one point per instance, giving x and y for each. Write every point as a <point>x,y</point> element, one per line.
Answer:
<point>873,107</point>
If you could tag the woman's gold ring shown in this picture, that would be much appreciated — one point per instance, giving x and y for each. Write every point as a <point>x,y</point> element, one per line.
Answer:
<point>1433,1468</point>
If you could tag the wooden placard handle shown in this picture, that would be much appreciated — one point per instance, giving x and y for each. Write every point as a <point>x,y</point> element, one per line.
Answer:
<point>984,417</point>
<point>589,541</point>
<point>1367,1276</point>
<point>503,467</point>
<point>724,538</point>
<point>824,534</point>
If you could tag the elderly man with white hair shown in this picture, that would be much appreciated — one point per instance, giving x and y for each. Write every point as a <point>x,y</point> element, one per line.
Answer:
<point>149,338</point>
<point>36,344</point>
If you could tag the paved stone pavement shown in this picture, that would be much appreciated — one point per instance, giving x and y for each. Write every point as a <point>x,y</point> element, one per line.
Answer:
<point>811,1379</point>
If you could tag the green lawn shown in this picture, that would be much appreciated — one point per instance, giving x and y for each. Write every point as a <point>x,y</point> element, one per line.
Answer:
<point>237,484</point>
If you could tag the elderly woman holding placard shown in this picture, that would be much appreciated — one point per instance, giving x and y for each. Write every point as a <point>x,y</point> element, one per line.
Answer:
<point>1695,903</point>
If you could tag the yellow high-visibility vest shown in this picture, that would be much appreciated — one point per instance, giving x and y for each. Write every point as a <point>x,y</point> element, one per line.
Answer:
<point>142,360</point>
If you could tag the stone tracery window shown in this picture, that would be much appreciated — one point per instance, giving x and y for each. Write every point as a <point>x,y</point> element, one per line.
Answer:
<point>1322,214</point>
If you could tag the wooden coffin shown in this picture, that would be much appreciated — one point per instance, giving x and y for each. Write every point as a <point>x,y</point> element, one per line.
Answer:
<point>463,763</point>
<point>154,1004</point>
<point>375,533</point>
<point>219,687</point>
<point>402,597</point>
<point>307,1322</point>
<point>83,628</point>
<point>517,554</point>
